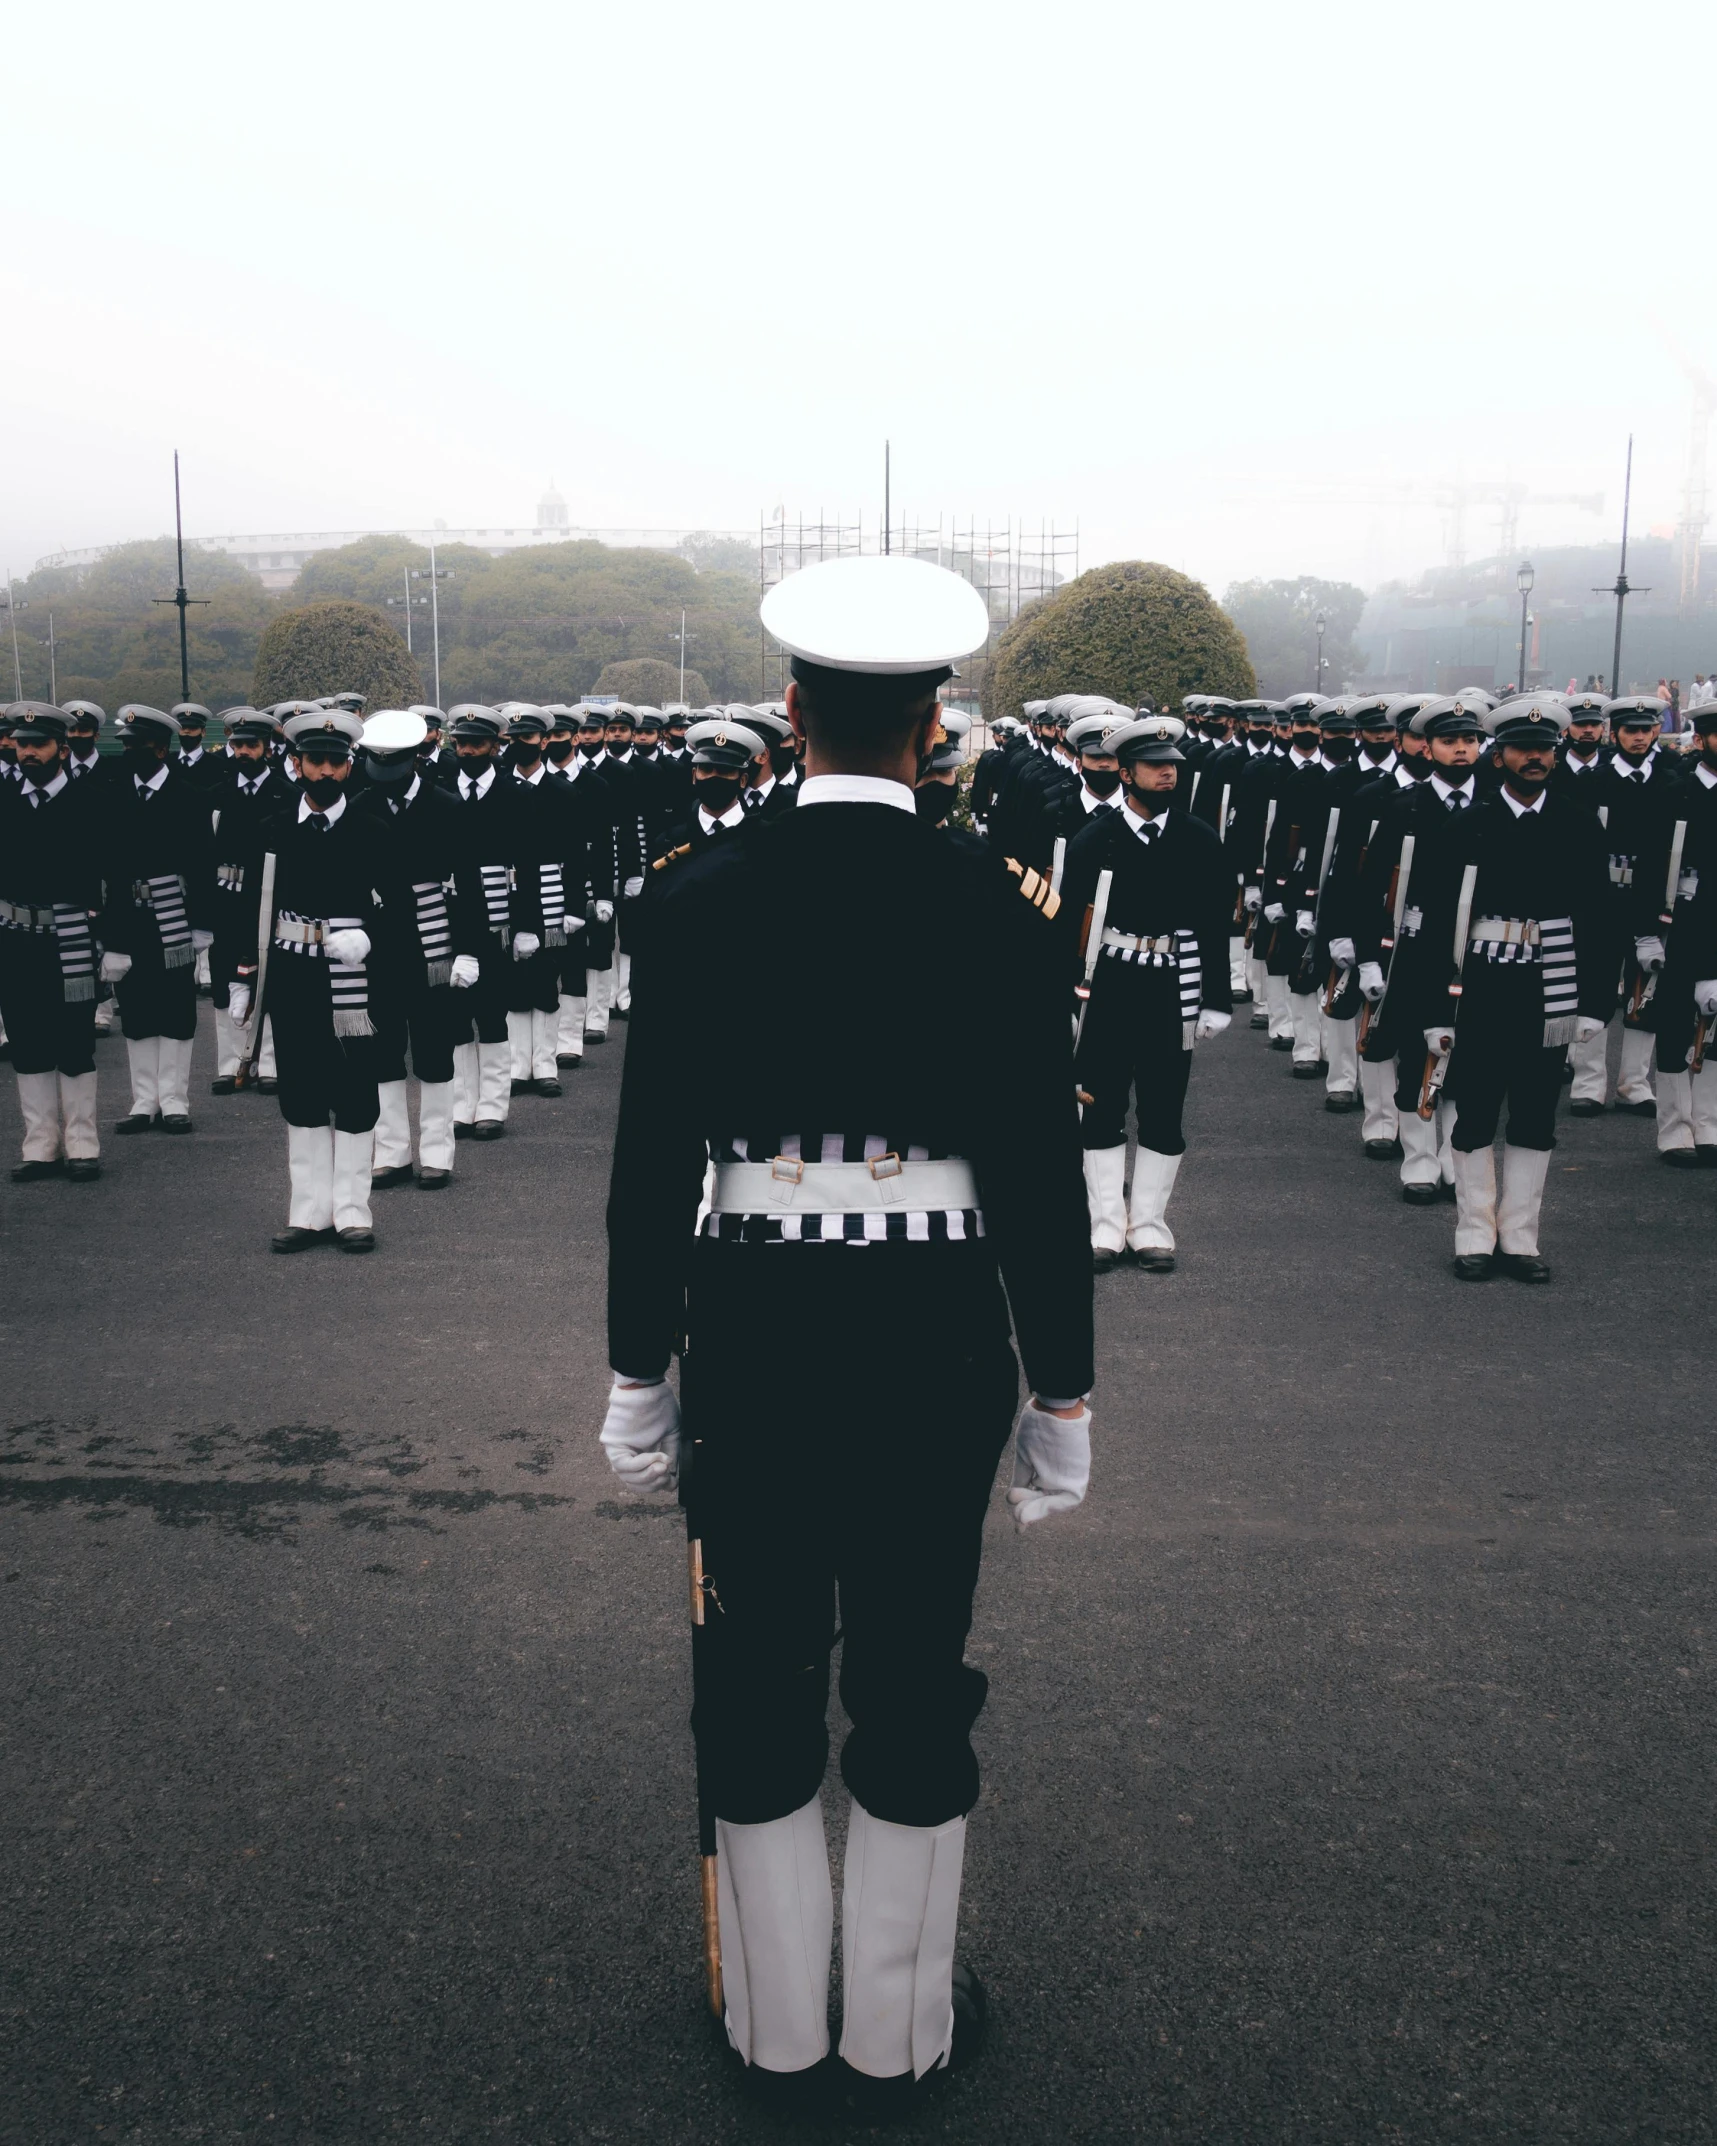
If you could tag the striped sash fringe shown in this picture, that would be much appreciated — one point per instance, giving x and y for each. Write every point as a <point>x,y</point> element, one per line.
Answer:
<point>554,904</point>
<point>1561,981</point>
<point>434,932</point>
<point>164,898</point>
<point>77,952</point>
<point>497,890</point>
<point>348,982</point>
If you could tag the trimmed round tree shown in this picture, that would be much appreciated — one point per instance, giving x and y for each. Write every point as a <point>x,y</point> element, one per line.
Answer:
<point>649,682</point>
<point>1133,631</point>
<point>335,647</point>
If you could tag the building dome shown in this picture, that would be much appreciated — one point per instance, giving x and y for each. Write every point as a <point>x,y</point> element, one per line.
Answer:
<point>551,510</point>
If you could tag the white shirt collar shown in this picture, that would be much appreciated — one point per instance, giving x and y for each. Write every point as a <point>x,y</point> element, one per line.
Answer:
<point>1138,823</point>
<point>1385,766</point>
<point>155,781</point>
<point>305,809</point>
<point>1629,773</point>
<point>1405,776</point>
<point>762,789</point>
<point>618,759</point>
<point>480,786</point>
<point>1572,759</point>
<point>86,760</point>
<point>732,817</point>
<point>1091,801</point>
<point>856,790</point>
<point>1446,789</point>
<point>48,789</point>
<point>191,758</point>
<point>533,778</point>
<point>251,779</point>
<point>1519,810</point>
<point>1702,773</point>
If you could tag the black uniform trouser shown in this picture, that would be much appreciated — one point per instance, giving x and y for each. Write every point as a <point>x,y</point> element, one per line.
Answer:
<point>322,1075</point>
<point>423,1018</point>
<point>46,1035</point>
<point>155,1000</point>
<point>533,985</point>
<point>1132,1045</point>
<point>843,1469</point>
<point>1500,1060</point>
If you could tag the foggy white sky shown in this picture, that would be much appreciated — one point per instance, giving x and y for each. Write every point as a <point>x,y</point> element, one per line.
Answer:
<point>1200,279</point>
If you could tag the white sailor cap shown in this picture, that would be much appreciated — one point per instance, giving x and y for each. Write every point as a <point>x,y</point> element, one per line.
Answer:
<point>1476,700</point>
<point>878,616</point>
<point>1149,737</point>
<point>1529,719</point>
<point>136,711</point>
<point>324,724</point>
<point>192,711</point>
<point>1371,710</point>
<point>348,700</point>
<point>1636,708</point>
<point>1032,709</point>
<point>394,730</point>
<point>248,722</point>
<point>35,719</point>
<point>1091,730</point>
<point>84,709</point>
<point>1582,707</point>
<point>760,716</point>
<point>723,741</point>
<point>1296,701</point>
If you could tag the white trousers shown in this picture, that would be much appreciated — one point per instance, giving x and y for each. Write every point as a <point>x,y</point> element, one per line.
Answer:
<point>1307,1016</point>
<point>1426,1155</point>
<point>1147,1219</point>
<point>1341,1048</point>
<point>482,1082</point>
<point>1590,1058</point>
<point>531,1044</point>
<point>599,984</point>
<point>900,1908</point>
<point>328,1176</point>
<point>777,1918</point>
<point>1237,964</point>
<point>143,1056</point>
<point>1377,1085</point>
<point>1276,1002</point>
<point>1257,978</point>
<point>622,979</point>
<point>1687,1109</point>
<point>569,1040</point>
<point>232,1039</point>
<point>1106,1196</point>
<point>58,1110</point>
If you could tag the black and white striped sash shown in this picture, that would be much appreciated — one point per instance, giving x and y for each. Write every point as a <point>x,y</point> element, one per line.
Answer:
<point>164,897</point>
<point>434,932</point>
<point>348,982</point>
<point>497,895</point>
<point>77,952</point>
<point>952,1225</point>
<point>554,904</point>
<point>1561,981</point>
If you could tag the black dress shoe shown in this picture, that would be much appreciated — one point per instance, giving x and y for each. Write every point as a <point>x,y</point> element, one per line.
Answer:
<point>385,1180</point>
<point>1341,1100</point>
<point>357,1240</point>
<point>81,1169</point>
<point>1707,1154</point>
<point>28,1173</point>
<point>1260,1020</point>
<point>487,1129</point>
<point>1154,1261</point>
<point>1420,1195</point>
<point>1307,1072</point>
<point>1474,1266</point>
<point>1280,1043</point>
<point>1383,1151</point>
<point>1680,1158</point>
<point>1104,1262</point>
<point>226,1084</point>
<point>265,1087</point>
<point>1522,1266</point>
<point>521,1087</point>
<point>176,1121</point>
<point>1636,1110</point>
<point>881,2100</point>
<point>795,2097</point>
<point>594,1035</point>
<point>461,1130</point>
<point>569,1061</point>
<point>433,1180</point>
<point>971,2018</point>
<point>548,1089</point>
<point>296,1238</point>
<point>620,1013</point>
<point>139,1121</point>
<point>1584,1108</point>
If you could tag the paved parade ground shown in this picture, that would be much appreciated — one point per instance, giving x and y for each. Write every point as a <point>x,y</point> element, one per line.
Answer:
<point>1349,1757</point>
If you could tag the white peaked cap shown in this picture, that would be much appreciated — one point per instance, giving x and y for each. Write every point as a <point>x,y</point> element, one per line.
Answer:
<point>394,730</point>
<point>883,616</point>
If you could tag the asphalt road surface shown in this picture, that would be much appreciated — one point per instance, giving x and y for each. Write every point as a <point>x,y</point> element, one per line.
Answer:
<point>1349,1763</point>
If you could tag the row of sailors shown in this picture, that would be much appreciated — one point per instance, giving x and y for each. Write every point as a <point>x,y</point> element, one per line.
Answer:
<point>1435,969</point>
<point>464,909</point>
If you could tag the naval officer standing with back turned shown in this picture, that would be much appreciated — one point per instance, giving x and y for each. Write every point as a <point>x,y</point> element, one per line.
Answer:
<point>895,1145</point>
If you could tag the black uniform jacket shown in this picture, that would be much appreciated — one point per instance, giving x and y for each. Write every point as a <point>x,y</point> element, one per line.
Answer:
<point>150,838</point>
<point>51,852</point>
<point>856,1023</point>
<point>1175,881</point>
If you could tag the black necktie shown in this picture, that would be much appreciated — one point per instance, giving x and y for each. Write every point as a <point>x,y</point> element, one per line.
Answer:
<point>1457,802</point>
<point>753,798</point>
<point>319,820</point>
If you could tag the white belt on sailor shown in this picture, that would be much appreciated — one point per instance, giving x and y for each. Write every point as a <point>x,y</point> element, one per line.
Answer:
<point>301,931</point>
<point>1127,943</point>
<point>1504,931</point>
<point>26,918</point>
<point>790,1186</point>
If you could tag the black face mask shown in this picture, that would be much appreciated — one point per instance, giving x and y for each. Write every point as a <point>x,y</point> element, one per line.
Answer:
<point>39,777</point>
<point>322,790</point>
<point>590,747</point>
<point>1101,783</point>
<point>526,753</point>
<point>1340,750</point>
<point>646,747</point>
<point>781,759</point>
<point>1303,741</point>
<point>560,751</point>
<point>934,802</point>
<point>716,793</point>
<point>391,772</point>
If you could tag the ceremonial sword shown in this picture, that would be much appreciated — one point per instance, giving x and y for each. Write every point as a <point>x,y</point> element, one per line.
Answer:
<point>1437,1069</point>
<point>1093,947</point>
<point>264,937</point>
<point>1397,910</point>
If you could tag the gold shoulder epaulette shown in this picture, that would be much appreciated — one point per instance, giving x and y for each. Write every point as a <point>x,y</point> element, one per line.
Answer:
<point>1035,887</point>
<point>684,850</point>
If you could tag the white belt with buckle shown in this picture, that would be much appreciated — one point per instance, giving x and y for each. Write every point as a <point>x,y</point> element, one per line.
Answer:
<point>1505,931</point>
<point>1125,943</point>
<point>299,931</point>
<point>25,917</point>
<point>842,1188</point>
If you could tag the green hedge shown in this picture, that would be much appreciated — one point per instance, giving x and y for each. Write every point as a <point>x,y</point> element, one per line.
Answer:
<point>1131,630</point>
<point>335,647</point>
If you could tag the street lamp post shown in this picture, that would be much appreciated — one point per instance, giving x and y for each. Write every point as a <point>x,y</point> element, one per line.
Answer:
<point>682,637</point>
<point>1622,588</point>
<point>405,603</point>
<point>1321,622</point>
<point>53,665</point>
<point>179,597</point>
<point>13,607</point>
<point>433,574</point>
<point>1523,582</point>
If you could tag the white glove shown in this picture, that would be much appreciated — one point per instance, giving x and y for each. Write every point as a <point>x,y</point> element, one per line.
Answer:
<point>1371,981</point>
<point>1439,1041</point>
<point>1588,1026</point>
<point>641,1435</point>
<point>1209,1023</point>
<point>1304,923</point>
<point>238,1002</point>
<point>1052,1464</point>
<point>1274,912</point>
<point>1705,997</point>
<point>1649,954</point>
<point>1254,899</point>
<point>573,923</point>
<point>604,912</point>
<point>525,944</point>
<point>115,968</point>
<point>350,948</point>
<point>1344,953</point>
<point>466,970</point>
<point>634,887</point>
<point>201,941</point>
